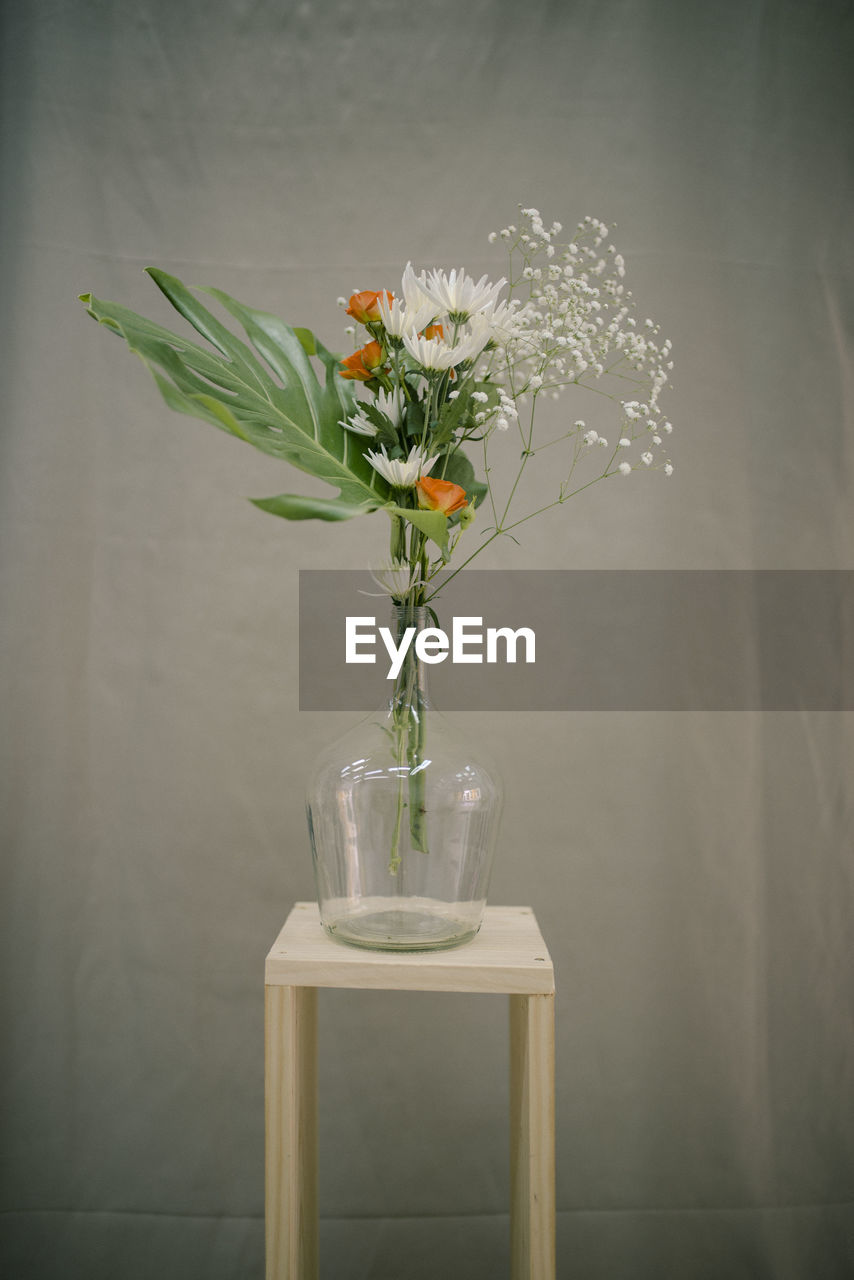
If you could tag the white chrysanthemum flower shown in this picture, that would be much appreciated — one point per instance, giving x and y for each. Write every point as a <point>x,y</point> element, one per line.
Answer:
<point>459,295</point>
<point>401,473</point>
<point>507,321</point>
<point>407,318</point>
<point>414,288</point>
<point>391,404</point>
<point>397,578</point>
<point>388,402</point>
<point>436,355</point>
<point>360,424</point>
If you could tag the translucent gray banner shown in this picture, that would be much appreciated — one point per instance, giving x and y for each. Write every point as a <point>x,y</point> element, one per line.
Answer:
<point>612,640</point>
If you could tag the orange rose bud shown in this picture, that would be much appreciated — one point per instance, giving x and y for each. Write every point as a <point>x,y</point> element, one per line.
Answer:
<point>363,364</point>
<point>363,306</point>
<point>434,331</point>
<point>440,495</point>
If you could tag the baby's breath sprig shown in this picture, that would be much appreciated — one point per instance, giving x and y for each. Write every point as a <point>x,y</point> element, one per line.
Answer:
<point>571,322</point>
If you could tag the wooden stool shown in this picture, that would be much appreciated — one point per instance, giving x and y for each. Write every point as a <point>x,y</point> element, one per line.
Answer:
<point>508,956</point>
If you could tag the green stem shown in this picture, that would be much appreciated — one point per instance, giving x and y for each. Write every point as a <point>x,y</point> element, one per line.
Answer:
<point>397,544</point>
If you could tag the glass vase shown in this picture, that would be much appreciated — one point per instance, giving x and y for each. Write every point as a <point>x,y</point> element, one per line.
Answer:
<point>403,817</point>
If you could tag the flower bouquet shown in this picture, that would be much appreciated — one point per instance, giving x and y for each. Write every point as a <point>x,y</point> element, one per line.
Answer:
<point>450,369</point>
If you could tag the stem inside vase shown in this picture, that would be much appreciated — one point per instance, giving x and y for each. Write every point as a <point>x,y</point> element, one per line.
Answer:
<point>409,712</point>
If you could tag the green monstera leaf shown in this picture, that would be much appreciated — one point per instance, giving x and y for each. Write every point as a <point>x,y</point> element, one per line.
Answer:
<point>276,403</point>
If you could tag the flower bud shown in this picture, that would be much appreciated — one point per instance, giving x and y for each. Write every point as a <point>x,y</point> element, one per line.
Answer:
<point>364,306</point>
<point>440,495</point>
<point>362,364</point>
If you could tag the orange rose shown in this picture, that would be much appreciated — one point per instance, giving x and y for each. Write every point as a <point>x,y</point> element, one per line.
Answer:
<point>363,364</point>
<point>434,331</point>
<point>440,495</point>
<point>364,306</point>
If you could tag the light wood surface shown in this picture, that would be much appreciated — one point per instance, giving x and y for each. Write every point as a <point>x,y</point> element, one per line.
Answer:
<point>532,1148</point>
<point>507,956</point>
<point>290,1104</point>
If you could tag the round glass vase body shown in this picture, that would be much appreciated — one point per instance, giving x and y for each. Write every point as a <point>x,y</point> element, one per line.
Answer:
<point>403,816</point>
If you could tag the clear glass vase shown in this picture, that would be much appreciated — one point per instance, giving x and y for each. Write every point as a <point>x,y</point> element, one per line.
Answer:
<point>403,817</point>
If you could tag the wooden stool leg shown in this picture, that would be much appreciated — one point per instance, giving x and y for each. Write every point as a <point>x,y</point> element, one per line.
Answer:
<point>532,1152</point>
<point>290,1105</point>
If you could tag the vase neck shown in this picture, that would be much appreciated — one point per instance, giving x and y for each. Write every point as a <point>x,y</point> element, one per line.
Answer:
<point>410,686</point>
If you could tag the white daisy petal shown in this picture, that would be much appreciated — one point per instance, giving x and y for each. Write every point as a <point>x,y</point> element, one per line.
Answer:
<point>408,318</point>
<point>435,354</point>
<point>359,424</point>
<point>401,473</point>
<point>396,578</point>
<point>391,404</point>
<point>459,295</point>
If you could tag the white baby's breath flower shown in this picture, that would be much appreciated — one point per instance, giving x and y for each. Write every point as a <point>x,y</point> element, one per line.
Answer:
<point>625,469</point>
<point>646,459</point>
<point>624,442</point>
<point>401,473</point>
<point>668,468</point>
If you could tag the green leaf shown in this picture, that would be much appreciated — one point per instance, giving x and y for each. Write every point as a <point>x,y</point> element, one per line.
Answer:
<point>434,524</point>
<point>452,415</point>
<point>279,405</point>
<point>415,419</point>
<point>386,432</point>
<point>293,506</point>
<point>457,468</point>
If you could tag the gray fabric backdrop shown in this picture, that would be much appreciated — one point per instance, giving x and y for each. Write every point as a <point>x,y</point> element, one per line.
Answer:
<point>692,872</point>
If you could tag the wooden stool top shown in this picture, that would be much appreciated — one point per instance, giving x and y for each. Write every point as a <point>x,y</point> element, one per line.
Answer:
<point>508,956</point>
